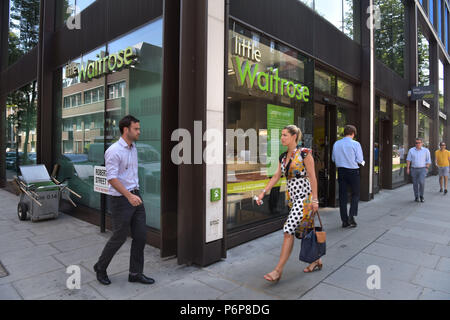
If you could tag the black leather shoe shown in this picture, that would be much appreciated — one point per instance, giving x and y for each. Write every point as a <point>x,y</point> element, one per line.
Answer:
<point>141,279</point>
<point>352,222</point>
<point>102,276</point>
<point>422,199</point>
<point>417,199</point>
<point>345,224</point>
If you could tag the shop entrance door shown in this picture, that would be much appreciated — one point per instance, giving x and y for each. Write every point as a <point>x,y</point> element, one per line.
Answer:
<point>324,138</point>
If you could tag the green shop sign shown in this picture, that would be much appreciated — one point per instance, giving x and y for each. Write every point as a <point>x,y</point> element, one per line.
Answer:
<point>104,65</point>
<point>251,76</point>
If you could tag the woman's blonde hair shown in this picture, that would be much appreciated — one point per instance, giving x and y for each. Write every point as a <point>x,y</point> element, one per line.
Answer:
<point>293,129</point>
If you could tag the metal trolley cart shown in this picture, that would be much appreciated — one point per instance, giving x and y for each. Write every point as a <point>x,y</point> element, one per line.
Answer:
<point>40,195</point>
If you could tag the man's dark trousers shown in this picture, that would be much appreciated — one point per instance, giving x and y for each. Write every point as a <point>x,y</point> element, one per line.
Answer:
<point>124,217</point>
<point>348,177</point>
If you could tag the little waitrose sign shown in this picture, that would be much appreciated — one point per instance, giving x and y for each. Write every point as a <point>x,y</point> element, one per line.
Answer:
<point>253,75</point>
<point>104,64</point>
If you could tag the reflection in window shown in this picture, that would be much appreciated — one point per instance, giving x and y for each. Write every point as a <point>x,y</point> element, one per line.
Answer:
<point>94,95</point>
<point>116,90</point>
<point>21,111</point>
<point>79,144</point>
<point>424,129</point>
<point>24,28</point>
<point>441,130</point>
<point>441,85</point>
<point>431,10</point>
<point>400,143</point>
<point>82,133</point>
<point>140,96</point>
<point>339,13</point>
<point>390,37</point>
<point>423,53</point>
<point>345,90</point>
<point>324,81</point>
<point>439,26</point>
<point>72,101</point>
<point>253,112</point>
<point>446,28</point>
<point>74,7</point>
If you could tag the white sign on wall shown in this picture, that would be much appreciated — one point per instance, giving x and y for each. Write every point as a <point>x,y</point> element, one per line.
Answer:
<point>101,184</point>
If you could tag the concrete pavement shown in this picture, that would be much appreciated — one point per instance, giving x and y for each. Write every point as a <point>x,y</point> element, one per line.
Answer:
<point>409,243</point>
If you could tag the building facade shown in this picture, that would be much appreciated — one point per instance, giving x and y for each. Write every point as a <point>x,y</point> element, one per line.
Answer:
<point>233,72</point>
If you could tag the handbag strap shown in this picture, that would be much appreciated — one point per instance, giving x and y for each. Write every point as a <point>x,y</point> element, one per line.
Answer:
<point>314,218</point>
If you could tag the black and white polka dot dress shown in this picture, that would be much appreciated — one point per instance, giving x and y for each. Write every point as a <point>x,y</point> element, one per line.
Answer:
<point>299,191</point>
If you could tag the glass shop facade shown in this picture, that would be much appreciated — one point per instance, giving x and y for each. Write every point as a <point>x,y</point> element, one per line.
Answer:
<point>240,67</point>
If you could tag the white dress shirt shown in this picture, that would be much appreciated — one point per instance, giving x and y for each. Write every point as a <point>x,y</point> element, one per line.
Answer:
<point>121,163</point>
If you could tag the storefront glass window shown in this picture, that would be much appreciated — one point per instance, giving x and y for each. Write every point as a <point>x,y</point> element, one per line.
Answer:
<point>80,144</point>
<point>23,28</point>
<point>73,7</point>
<point>423,48</point>
<point>134,89</point>
<point>446,28</point>
<point>137,91</point>
<point>324,82</point>
<point>345,90</point>
<point>441,85</point>
<point>268,89</point>
<point>424,129</point>
<point>431,10</point>
<point>390,36</point>
<point>441,130</point>
<point>344,117</point>
<point>399,143</point>
<point>21,111</point>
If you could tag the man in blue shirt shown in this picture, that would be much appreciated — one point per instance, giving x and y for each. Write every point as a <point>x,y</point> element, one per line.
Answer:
<point>348,156</point>
<point>417,163</point>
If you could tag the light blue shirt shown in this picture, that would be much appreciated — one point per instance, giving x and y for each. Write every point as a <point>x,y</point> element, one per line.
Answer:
<point>419,158</point>
<point>121,163</point>
<point>347,153</point>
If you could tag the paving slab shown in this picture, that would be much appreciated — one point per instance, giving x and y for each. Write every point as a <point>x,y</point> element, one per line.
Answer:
<point>30,268</point>
<point>8,292</point>
<point>433,279</point>
<point>430,294</point>
<point>177,291</point>
<point>391,269</point>
<point>48,283</point>
<point>86,292</point>
<point>396,240</point>
<point>414,257</point>
<point>328,292</point>
<point>356,280</point>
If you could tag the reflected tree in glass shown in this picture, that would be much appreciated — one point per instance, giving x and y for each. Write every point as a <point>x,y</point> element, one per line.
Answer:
<point>390,37</point>
<point>23,37</point>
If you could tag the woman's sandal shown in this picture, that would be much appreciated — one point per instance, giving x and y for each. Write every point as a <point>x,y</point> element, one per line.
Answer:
<point>272,279</point>
<point>317,265</point>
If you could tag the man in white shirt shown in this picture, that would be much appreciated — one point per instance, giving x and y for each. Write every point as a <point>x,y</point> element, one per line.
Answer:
<point>417,163</point>
<point>348,156</point>
<point>127,208</point>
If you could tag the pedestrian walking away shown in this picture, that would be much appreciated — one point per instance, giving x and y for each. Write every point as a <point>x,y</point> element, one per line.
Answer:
<point>417,163</point>
<point>348,157</point>
<point>127,208</point>
<point>297,165</point>
<point>442,157</point>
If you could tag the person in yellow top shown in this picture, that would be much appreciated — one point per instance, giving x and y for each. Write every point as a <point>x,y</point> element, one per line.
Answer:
<point>443,163</point>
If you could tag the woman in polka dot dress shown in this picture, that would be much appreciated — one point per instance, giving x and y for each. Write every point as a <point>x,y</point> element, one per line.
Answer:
<point>297,165</point>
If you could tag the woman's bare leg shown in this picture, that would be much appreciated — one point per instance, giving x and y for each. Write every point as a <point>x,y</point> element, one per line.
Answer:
<point>286,250</point>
